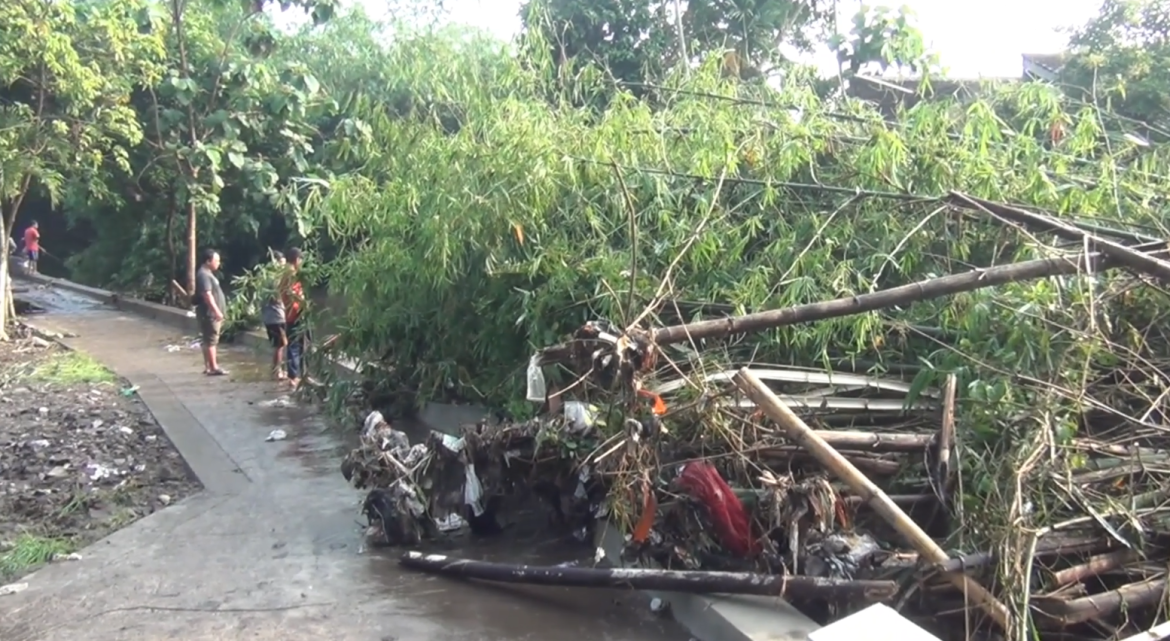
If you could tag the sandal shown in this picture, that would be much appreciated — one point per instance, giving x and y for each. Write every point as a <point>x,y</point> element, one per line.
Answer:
<point>217,372</point>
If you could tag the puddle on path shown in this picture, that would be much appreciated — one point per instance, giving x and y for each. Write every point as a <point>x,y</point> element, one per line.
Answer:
<point>496,612</point>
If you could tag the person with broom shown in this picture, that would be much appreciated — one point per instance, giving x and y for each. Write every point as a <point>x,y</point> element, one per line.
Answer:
<point>32,246</point>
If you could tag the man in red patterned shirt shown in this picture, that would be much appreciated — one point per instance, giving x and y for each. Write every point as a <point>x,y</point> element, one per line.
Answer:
<point>293,295</point>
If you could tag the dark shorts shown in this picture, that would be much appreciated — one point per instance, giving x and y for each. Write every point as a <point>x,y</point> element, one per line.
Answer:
<point>209,330</point>
<point>33,255</point>
<point>277,334</point>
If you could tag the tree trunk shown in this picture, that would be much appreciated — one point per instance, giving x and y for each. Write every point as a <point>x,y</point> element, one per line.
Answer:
<point>5,282</point>
<point>7,223</point>
<point>192,247</point>
<point>177,9</point>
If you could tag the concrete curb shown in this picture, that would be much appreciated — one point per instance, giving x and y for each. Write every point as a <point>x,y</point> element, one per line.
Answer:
<point>716,617</point>
<point>178,318</point>
<point>722,617</point>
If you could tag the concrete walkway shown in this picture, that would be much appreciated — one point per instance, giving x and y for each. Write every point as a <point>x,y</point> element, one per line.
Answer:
<point>271,549</point>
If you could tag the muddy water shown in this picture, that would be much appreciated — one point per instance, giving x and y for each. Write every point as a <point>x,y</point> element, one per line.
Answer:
<point>315,448</point>
<point>510,611</point>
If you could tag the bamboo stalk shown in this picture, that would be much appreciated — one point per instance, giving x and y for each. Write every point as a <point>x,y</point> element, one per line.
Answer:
<point>1137,261</point>
<point>876,441</point>
<point>1073,611</point>
<point>873,495</point>
<point>693,582</point>
<point>946,437</point>
<point>895,296</point>
<point>1093,566</point>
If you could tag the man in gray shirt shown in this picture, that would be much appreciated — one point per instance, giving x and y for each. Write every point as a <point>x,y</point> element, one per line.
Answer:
<point>272,315</point>
<point>210,306</point>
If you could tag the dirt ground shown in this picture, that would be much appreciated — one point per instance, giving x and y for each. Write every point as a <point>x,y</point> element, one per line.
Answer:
<point>80,455</point>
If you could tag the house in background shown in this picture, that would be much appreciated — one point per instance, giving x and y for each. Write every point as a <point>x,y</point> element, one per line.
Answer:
<point>890,94</point>
<point>1043,66</point>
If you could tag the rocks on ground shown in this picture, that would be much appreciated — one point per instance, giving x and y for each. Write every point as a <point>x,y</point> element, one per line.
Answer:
<point>80,455</point>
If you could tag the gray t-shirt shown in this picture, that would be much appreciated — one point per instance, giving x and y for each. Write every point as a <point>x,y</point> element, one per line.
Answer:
<point>205,281</point>
<point>273,312</point>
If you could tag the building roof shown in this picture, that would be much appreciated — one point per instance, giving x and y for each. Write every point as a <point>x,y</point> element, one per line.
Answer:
<point>1051,61</point>
<point>888,95</point>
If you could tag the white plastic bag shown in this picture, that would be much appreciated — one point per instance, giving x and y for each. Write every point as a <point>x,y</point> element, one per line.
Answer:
<point>580,416</point>
<point>536,387</point>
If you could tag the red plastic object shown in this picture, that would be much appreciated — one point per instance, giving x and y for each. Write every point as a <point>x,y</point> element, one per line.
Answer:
<point>702,482</point>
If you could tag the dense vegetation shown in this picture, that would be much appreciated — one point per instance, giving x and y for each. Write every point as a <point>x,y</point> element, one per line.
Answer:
<point>469,200</point>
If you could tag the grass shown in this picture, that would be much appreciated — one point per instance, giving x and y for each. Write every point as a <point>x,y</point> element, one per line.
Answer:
<point>29,551</point>
<point>72,368</point>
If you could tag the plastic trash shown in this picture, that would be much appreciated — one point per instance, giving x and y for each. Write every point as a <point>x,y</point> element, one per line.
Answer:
<point>12,588</point>
<point>276,435</point>
<point>580,416</point>
<point>537,390</point>
<point>450,523</point>
<point>473,491</point>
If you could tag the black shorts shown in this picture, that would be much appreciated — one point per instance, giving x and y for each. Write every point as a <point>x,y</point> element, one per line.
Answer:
<point>277,334</point>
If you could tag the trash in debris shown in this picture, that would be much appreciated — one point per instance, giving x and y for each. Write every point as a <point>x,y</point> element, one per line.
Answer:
<point>276,435</point>
<point>1053,481</point>
<point>12,588</point>
<point>97,471</point>
<point>129,391</point>
<point>72,556</point>
<point>280,401</point>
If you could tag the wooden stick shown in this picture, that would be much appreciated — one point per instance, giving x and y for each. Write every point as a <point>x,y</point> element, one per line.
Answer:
<point>872,494</point>
<point>902,295</point>
<point>803,587</point>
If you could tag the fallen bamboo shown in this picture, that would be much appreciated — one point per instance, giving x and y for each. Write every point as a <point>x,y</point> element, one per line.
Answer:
<point>874,496</point>
<point>802,587</point>
<point>870,463</point>
<point>902,295</point>
<point>1137,261</point>
<point>1093,566</point>
<point>1073,611</point>
<point>873,441</point>
<point>1054,543</point>
<point>946,439</point>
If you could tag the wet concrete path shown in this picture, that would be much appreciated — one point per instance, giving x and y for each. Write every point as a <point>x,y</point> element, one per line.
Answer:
<point>272,548</point>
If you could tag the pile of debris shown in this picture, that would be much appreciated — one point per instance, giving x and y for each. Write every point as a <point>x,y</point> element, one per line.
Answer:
<point>843,477</point>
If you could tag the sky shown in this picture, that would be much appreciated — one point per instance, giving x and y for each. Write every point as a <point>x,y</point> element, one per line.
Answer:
<point>972,37</point>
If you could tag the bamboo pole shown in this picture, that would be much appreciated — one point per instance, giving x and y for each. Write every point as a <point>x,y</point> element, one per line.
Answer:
<point>693,582</point>
<point>871,494</point>
<point>946,438</point>
<point>1137,261</point>
<point>894,296</point>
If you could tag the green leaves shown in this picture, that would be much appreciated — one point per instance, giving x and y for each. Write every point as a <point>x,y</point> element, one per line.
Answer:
<point>1118,59</point>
